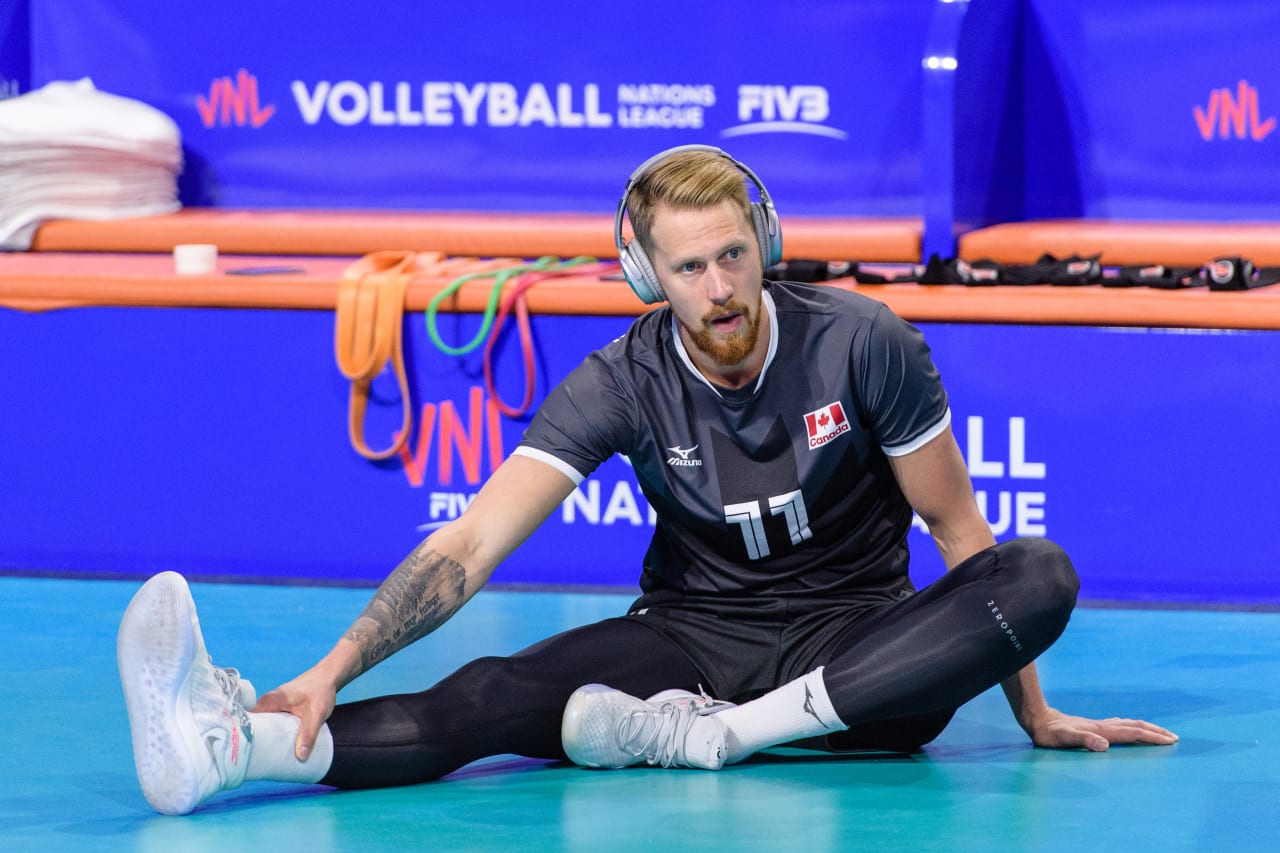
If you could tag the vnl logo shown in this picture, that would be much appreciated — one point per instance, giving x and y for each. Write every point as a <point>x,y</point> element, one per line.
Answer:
<point>1233,117</point>
<point>234,102</point>
<point>784,109</point>
<point>445,432</point>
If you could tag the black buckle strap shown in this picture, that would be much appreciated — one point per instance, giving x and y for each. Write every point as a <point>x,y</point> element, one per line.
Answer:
<point>1226,273</point>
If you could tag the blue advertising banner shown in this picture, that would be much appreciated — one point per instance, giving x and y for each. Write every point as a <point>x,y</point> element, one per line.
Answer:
<point>1151,109</point>
<point>214,442</point>
<point>15,48</point>
<point>1141,451</point>
<point>457,105</point>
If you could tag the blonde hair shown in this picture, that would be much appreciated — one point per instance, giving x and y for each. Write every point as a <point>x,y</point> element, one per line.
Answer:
<point>689,180</point>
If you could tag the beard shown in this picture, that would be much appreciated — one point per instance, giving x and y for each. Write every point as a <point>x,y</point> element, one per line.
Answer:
<point>734,349</point>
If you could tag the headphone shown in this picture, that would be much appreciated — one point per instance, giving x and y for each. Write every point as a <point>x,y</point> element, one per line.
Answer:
<point>636,266</point>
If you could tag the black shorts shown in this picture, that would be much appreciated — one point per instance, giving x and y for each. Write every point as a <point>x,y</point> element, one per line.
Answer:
<point>745,649</point>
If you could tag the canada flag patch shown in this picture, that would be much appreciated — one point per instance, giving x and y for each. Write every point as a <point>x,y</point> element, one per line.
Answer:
<point>822,425</point>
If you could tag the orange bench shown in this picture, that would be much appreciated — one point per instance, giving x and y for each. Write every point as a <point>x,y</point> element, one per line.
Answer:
<point>1125,243</point>
<point>46,280</point>
<point>309,232</point>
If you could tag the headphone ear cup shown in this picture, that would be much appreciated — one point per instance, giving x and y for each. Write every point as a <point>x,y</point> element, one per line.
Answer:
<point>638,272</point>
<point>768,232</point>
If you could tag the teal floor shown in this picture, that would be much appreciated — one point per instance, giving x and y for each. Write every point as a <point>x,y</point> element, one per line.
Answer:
<point>1214,677</point>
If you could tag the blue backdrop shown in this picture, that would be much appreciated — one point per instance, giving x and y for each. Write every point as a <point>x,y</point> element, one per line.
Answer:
<point>1152,109</point>
<point>458,105</point>
<point>214,442</point>
<point>15,48</point>
<point>963,113</point>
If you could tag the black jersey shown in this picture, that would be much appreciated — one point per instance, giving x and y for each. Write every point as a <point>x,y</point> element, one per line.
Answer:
<point>779,489</point>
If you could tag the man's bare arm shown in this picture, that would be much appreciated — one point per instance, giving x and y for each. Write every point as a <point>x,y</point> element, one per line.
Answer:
<point>444,571</point>
<point>427,588</point>
<point>424,591</point>
<point>936,483</point>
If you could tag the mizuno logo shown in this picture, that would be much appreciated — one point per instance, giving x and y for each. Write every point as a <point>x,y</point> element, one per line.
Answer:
<point>681,458</point>
<point>808,707</point>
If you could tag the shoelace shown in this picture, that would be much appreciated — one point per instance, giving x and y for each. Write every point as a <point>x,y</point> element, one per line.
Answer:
<point>228,678</point>
<point>663,731</point>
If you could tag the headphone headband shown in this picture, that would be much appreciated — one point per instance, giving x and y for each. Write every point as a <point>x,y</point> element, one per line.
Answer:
<point>636,267</point>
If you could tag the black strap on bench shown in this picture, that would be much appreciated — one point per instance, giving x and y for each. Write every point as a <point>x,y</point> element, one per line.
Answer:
<point>1227,273</point>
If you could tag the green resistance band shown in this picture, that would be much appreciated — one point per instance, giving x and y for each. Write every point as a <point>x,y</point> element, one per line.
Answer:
<point>500,277</point>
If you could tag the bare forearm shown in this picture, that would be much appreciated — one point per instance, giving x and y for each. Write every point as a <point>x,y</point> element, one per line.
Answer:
<point>424,591</point>
<point>1026,700</point>
<point>959,543</point>
<point>1022,689</point>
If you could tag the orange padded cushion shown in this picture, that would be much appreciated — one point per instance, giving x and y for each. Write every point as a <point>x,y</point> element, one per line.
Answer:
<point>1125,243</point>
<point>525,235</point>
<point>42,281</point>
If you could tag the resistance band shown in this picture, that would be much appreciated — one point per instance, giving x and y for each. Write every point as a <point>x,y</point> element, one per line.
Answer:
<point>369,328</point>
<point>516,299</point>
<point>500,278</point>
<point>367,334</point>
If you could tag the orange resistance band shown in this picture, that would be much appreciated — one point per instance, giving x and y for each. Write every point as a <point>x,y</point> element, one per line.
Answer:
<point>367,334</point>
<point>369,329</point>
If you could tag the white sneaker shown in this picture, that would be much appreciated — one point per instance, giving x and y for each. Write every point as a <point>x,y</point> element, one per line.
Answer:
<point>603,727</point>
<point>191,734</point>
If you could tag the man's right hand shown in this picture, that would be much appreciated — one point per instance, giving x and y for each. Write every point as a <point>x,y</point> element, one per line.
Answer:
<point>311,696</point>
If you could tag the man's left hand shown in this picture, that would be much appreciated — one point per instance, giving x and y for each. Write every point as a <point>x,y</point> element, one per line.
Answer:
<point>1056,730</point>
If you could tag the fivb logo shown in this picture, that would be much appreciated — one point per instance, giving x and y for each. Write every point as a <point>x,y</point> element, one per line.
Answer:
<point>783,109</point>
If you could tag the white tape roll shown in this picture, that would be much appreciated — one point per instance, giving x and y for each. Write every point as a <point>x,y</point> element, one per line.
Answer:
<point>195,258</point>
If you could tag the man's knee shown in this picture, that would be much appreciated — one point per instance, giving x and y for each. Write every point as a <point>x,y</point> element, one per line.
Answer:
<point>500,681</point>
<point>1047,581</point>
<point>408,718</point>
<point>1047,566</point>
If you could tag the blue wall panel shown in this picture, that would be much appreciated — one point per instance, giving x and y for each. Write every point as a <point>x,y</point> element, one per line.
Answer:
<point>1151,109</point>
<point>1156,477</point>
<point>1032,109</point>
<point>214,442</point>
<point>15,47</point>
<point>458,105</point>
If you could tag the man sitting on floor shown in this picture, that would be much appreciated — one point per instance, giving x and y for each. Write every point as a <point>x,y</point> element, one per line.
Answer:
<point>813,423</point>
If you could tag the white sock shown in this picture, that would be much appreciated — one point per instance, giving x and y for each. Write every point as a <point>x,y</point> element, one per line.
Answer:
<point>272,757</point>
<point>796,710</point>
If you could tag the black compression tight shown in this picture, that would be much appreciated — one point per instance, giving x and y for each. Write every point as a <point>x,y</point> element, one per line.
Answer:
<point>494,706</point>
<point>923,657</point>
<point>896,677</point>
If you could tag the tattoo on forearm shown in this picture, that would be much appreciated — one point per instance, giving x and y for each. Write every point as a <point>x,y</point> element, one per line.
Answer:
<point>418,597</point>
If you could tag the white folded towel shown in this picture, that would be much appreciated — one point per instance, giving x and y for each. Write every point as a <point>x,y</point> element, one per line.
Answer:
<point>70,151</point>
